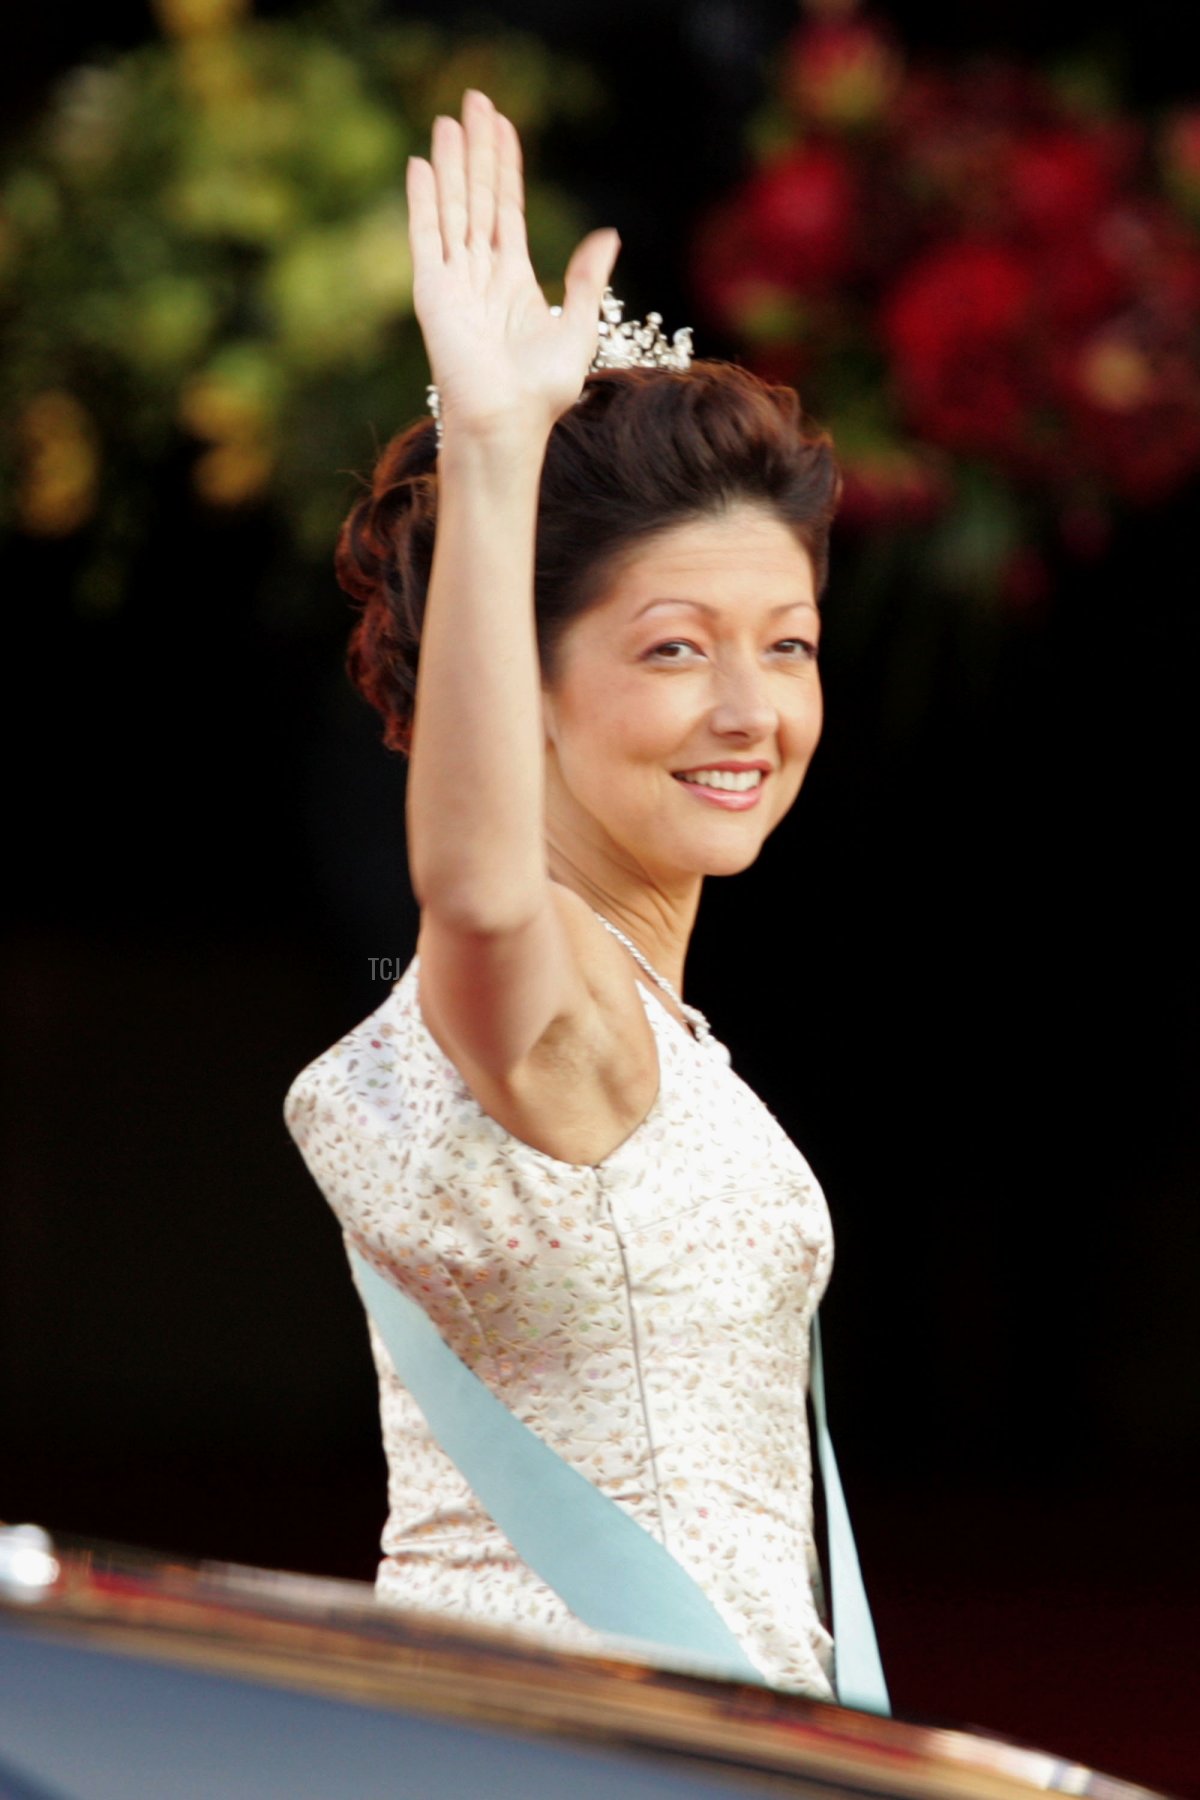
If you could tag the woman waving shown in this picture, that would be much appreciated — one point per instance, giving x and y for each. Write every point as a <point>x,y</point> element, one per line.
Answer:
<point>589,616</point>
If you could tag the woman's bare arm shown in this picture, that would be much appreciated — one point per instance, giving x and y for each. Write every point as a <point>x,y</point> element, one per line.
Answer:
<point>497,968</point>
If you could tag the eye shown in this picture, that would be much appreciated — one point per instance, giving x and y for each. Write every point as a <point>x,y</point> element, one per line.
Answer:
<point>797,649</point>
<point>673,650</point>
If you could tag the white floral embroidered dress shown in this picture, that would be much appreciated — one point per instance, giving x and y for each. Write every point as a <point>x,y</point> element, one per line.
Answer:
<point>648,1317</point>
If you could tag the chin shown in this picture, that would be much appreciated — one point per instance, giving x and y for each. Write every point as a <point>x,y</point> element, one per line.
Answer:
<point>723,858</point>
<point>733,865</point>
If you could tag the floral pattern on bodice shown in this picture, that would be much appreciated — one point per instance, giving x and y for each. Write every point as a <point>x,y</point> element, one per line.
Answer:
<point>647,1316</point>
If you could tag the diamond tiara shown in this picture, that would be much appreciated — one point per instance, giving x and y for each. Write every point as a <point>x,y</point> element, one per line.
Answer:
<point>624,344</point>
<point>636,343</point>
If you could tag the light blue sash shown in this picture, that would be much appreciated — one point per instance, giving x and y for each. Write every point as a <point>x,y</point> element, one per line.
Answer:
<point>612,1574</point>
<point>860,1681</point>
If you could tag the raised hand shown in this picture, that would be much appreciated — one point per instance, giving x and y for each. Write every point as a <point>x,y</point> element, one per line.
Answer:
<point>501,359</point>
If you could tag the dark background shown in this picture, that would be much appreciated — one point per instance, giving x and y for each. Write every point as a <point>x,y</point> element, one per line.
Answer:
<point>961,976</point>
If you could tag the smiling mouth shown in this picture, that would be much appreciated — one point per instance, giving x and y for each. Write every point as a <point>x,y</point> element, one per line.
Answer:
<point>730,781</point>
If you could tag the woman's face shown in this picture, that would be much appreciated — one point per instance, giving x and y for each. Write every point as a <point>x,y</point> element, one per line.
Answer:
<point>685,704</point>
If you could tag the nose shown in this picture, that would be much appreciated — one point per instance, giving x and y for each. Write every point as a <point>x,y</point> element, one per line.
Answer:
<point>744,708</point>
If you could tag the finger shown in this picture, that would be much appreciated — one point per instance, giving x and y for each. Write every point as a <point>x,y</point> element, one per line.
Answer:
<point>510,191</point>
<point>587,277</point>
<point>449,168</point>
<point>479,130</point>
<point>424,232</point>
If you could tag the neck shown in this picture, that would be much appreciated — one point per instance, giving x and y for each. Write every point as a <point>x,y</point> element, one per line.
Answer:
<point>659,918</point>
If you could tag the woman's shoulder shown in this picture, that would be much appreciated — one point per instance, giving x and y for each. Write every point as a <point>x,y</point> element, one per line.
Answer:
<point>363,1067</point>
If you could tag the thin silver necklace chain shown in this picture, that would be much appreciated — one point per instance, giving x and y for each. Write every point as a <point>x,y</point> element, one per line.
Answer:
<point>701,1029</point>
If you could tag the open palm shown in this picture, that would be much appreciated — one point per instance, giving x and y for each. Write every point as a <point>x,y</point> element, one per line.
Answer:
<point>497,351</point>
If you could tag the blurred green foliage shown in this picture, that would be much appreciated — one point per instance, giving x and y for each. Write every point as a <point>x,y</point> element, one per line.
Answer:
<point>204,266</point>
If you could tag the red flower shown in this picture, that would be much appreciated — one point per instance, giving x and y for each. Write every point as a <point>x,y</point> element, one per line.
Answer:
<point>956,324</point>
<point>1080,281</point>
<point>1058,179</point>
<point>799,215</point>
<point>960,293</point>
<point>841,72</point>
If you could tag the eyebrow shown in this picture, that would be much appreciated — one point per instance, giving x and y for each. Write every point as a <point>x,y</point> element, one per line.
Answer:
<point>711,611</point>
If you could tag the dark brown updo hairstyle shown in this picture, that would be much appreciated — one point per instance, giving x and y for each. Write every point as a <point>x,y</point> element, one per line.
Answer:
<point>642,450</point>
